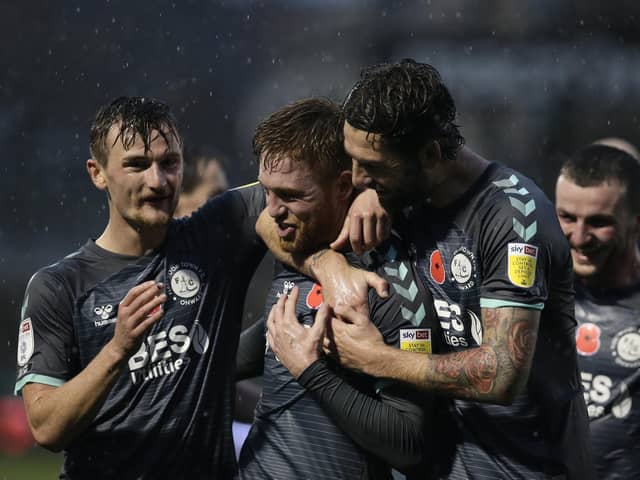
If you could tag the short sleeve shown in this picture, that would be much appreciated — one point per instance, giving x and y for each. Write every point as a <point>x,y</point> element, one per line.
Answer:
<point>45,335</point>
<point>515,249</point>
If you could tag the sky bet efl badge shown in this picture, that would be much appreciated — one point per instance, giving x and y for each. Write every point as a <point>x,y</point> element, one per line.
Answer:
<point>416,340</point>
<point>522,264</point>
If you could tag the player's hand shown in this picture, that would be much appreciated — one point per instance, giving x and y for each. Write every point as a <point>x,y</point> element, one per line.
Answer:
<point>353,339</point>
<point>295,345</point>
<point>343,284</point>
<point>138,311</point>
<point>366,225</point>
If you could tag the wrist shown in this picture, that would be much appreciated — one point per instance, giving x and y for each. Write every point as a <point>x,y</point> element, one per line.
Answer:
<point>323,262</point>
<point>304,364</point>
<point>377,359</point>
<point>116,355</point>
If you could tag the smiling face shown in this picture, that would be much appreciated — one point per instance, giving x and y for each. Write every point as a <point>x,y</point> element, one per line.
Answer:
<point>599,227</point>
<point>375,166</point>
<point>143,186</point>
<point>307,212</point>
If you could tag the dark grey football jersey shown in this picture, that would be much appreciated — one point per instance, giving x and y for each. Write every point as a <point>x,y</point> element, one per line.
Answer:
<point>169,414</point>
<point>608,343</point>
<point>500,245</point>
<point>292,435</point>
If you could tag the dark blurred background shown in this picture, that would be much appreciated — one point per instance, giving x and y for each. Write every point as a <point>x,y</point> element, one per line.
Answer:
<point>533,80</point>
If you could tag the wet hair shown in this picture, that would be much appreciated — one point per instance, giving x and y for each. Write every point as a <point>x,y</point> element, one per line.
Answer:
<point>135,116</point>
<point>193,158</point>
<point>407,104</point>
<point>597,164</point>
<point>309,131</point>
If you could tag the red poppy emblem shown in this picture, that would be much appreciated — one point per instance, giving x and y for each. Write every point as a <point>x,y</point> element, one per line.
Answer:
<point>436,267</point>
<point>314,297</point>
<point>588,339</point>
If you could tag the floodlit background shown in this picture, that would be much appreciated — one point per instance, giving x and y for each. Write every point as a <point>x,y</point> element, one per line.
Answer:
<point>533,80</point>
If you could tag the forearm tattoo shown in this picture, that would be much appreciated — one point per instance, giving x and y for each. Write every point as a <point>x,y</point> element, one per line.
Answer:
<point>500,365</point>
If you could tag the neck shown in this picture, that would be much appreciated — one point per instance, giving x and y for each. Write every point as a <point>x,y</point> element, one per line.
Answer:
<point>128,240</point>
<point>450,179</point>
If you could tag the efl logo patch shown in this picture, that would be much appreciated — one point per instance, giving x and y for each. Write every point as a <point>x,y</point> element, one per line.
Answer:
<point>25,342</point>
<point>314,297</point>
<point>588,339</point>
<point>416,340</point>
<point>522,264</point>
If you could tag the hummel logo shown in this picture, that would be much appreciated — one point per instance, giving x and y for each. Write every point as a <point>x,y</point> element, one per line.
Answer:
<point>104,311</point>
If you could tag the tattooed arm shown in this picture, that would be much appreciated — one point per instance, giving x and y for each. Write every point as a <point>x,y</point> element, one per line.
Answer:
<point>495,372</point>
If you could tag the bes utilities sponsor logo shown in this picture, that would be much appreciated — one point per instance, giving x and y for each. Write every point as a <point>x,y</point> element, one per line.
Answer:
<point>163,353</point>
<point>598,390</point>
<point>185,283</point>
<point>415,340</point>
<point>522,260</point>
<point>458,329</point>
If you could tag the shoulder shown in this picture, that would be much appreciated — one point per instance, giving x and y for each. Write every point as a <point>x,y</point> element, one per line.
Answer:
<point>62,272</point>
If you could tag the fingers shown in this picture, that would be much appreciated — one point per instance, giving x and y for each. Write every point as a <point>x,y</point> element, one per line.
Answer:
<point>383,228</point>
<point>369,239</point>
<point>342,241</point>
<point>136,291</point>
<point>378,283</point>
<point>321,320</point>
<point>349,315</point>
<point>271,325</point>
<point>290,303</point>
<point>356,233</point>
<point>155,307</point>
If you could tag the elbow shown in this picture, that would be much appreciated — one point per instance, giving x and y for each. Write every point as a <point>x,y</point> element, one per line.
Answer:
<point>48,439</point>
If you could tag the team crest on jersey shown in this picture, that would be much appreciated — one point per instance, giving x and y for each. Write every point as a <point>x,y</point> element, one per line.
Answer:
<point>588,339</point>
<point>185,283</point>
<point>463,268</point>
<point>522,261</point>
<point>625,347</point>
<point>314,297</point>
<point>436,267</point>
<point>25,342</point>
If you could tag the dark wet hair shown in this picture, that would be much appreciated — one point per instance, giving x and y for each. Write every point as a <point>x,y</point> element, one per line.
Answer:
<point>309,131</point>
<point>136,116</point>
<point>597,164</point>
<point>407,104</point>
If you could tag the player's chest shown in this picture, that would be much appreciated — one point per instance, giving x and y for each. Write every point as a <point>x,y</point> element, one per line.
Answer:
<point>448,262</point>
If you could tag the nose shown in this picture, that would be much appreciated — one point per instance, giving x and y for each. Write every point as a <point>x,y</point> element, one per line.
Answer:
<point>359,176</point>
<point>156,177</point>
<point>275,207</point>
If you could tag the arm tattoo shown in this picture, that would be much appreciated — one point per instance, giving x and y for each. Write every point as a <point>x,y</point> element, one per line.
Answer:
<point>317,256</point>
<point>496,369</point>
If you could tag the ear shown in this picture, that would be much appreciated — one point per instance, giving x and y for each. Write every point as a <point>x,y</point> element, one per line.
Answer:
<point>344,187</point>
<point>96,172</point>
<point>430,155</point>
